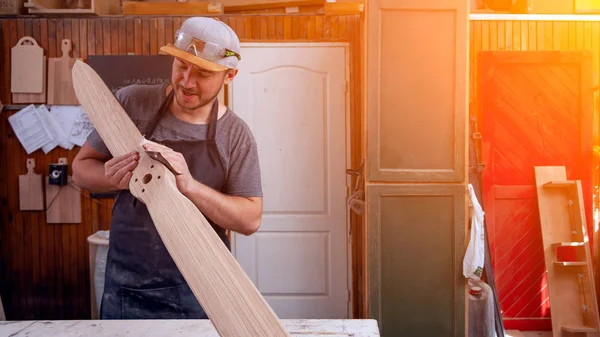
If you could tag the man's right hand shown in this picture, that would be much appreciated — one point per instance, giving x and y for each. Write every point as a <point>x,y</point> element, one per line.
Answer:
<point>118,170</point>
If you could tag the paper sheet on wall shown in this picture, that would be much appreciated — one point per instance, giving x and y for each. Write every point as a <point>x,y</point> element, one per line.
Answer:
<point>82,128</point>
<point>58,135</point>
<point>30,129</point>
<point>66,116</point>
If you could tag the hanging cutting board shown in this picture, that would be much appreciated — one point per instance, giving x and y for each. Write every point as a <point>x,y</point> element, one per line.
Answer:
<point>60,83</point>
<point>27,67</point>
<point>30,189</point>
<point>27,98</point>
<point>63,203</point>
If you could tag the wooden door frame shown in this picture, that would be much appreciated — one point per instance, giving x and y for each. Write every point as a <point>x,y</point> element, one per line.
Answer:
<point>348,145</point>
<point>584,59</point>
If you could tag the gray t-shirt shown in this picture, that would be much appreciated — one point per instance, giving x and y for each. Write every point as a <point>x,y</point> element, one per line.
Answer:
<point>235,142</point>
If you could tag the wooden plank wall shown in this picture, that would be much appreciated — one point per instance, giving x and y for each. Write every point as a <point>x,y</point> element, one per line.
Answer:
<point>491,35</point>
<point>44,269</point>
<point>531,36</point>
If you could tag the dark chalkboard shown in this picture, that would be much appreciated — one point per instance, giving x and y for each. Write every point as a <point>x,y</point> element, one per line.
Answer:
<point>119,71</point>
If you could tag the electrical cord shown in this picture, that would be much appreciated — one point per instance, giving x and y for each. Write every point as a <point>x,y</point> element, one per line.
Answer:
<point>72,185</point>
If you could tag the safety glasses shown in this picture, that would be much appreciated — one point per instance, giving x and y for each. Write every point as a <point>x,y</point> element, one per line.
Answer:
<point>206,50</point>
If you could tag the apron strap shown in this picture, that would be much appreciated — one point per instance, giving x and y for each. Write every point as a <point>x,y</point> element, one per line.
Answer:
<point>162,111</point>
<point>212,127</point>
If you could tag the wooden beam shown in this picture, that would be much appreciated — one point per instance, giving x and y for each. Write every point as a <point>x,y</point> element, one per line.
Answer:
<point>269,6</point>
<point>344,8</point>
<point>171,8</point>
<point>232,302</point>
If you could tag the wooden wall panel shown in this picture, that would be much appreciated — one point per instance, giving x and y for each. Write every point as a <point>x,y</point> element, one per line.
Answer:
<point>44,269</point>
<point>531,35</point>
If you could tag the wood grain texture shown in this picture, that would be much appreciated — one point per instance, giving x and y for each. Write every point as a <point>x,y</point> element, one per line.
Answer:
<point>534,109</point>
<point>63,203</point>
<point>31,197</point>
<point>27,98</point>
<point>27,59</point>
<point>60,85</point>
<point>562,220</point>
<point>52,288</point>
<point>226,293</point>
<point>492,35</point>
<point>116,128</point>
<point>171,8</point>
<point>183,328</point>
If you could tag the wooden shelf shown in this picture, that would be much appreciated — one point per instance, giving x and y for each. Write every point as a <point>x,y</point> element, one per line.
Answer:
<point>566,183</point>
<point>572,328</point>
<point>91,7</point>
<point>570,281</point>
<point>171,8</point>
<point>571,264</point>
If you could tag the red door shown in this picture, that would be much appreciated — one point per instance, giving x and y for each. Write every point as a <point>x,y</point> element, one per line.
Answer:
<point>536,110</point>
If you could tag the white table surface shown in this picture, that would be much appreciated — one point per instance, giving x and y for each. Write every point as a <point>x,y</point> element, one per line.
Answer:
<point>179,328</point>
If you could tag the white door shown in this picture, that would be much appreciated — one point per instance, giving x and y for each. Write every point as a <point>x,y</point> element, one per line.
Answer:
<point>293,97</point>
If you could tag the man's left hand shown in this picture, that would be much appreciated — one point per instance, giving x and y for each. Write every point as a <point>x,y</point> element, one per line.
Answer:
<point>177,161</point>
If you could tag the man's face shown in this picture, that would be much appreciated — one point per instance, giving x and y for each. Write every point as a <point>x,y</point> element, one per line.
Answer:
<point>195,87</point>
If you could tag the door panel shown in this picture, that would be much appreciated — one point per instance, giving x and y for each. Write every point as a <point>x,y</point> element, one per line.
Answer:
<point>416,268</point>
<point>293,98</point>
<point>417,90</point>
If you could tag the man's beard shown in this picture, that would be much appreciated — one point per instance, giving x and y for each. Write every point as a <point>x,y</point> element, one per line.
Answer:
<point>203,99</point>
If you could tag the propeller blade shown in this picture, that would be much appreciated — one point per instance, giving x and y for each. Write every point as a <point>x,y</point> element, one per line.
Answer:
<point>226,293</point>
<point>113,124</point>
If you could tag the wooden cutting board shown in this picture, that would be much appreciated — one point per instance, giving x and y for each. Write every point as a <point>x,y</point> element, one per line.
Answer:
<point>27,67</point>
<point>60,82</point>
<point>31,97</point>
<point>30,189</point>
<point>63,203</point>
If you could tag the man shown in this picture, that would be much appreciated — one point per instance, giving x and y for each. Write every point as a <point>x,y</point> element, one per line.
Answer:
<point>202,139</point>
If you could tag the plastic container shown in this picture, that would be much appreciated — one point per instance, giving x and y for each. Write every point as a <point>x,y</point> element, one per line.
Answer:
<point>98,246</point>
<point>481,310</point>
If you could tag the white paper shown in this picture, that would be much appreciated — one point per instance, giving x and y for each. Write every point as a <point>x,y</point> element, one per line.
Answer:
<point>30,129</point>
<point>82,129</point>
<point>57,134</point>
<point>66,116</point>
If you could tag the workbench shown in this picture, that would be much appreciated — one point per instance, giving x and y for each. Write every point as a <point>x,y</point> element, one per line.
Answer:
<point>179,328</point>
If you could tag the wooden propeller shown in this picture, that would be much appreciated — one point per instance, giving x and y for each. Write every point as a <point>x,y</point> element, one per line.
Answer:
<point>230,299</point>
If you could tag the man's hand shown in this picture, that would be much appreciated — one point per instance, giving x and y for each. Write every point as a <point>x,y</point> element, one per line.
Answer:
<point>239,214</point>
<point>177,161</point>
<point>118,170</point>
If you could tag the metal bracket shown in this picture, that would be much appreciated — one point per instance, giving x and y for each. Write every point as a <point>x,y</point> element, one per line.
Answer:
<point>158,157</point>
<point>480,167</point>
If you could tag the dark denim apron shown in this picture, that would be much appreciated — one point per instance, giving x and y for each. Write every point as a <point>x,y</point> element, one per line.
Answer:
<point>142,280</point>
